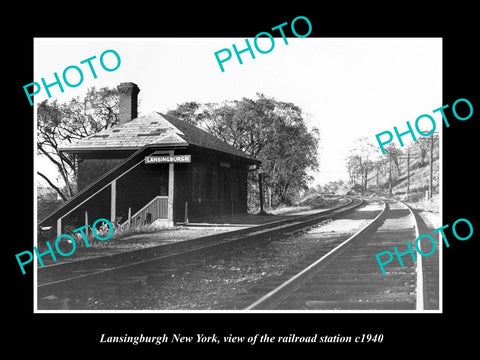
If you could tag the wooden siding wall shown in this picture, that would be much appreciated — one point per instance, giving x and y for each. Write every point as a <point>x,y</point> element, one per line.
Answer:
<point>209,189</point>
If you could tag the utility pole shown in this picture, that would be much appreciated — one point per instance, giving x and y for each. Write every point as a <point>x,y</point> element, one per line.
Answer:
<point>260,188</point>
<point>430,185</point>
<point>408,173</point>
<point>390,171</point>
<point>366,178</point>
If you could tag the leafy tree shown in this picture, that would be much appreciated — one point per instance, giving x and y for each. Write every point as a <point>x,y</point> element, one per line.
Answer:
<point>336,186</point>
<point>353,168</point>
<point>189,111</point>
<point>422,148</point>
<point>58,123</point>
<point>270,130</point>
<point>360,161</point>
<point>395,153</point>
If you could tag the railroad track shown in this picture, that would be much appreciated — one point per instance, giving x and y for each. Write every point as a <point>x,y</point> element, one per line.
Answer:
<point>75,276</point>
<point>349,278</point>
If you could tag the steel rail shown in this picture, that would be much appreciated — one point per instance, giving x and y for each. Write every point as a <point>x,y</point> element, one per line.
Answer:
<point>274,297</point>
<point>247,230</point>
<point>420,302</point>
<point>277,295</point>
<point>254,234</point>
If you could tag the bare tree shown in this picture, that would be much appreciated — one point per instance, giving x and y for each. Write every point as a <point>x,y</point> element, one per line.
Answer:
<point>360,161</point>
<point>66,123</point>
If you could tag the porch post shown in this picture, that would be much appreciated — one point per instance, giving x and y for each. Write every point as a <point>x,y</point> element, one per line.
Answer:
<point>59,227</point>
<point>171,179</point>
<point>113,201</point>
<point>86,222</point>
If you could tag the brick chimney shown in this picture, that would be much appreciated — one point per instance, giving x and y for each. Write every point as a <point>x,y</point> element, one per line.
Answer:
<point>128,102</point>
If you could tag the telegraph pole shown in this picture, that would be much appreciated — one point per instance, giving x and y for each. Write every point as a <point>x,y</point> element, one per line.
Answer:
<point>408,173</point>
<point>260,188</point>
<point>390,171</point>
<point>430,185</point>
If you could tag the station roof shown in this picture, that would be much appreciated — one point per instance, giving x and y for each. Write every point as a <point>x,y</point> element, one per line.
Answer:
<point>154,129</point>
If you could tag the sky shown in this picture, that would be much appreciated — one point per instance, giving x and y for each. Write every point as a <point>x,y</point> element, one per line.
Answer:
<point>347,87</point>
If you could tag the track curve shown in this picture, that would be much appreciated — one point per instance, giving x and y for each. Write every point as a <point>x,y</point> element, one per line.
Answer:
<point>349,278</point>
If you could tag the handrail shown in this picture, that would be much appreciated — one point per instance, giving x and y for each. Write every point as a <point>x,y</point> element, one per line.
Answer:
<point>121,226</point>
<point>95,187</point>
<point>148,204</point>
<point>103,181</point>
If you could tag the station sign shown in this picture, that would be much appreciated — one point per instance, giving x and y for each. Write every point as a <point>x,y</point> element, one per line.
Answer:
<point>168,159</point>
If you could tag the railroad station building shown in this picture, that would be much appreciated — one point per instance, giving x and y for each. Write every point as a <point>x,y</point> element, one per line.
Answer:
<point>153,167</point>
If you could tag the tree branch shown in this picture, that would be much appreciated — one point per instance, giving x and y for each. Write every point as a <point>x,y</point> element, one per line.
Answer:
<point>53,186</point>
